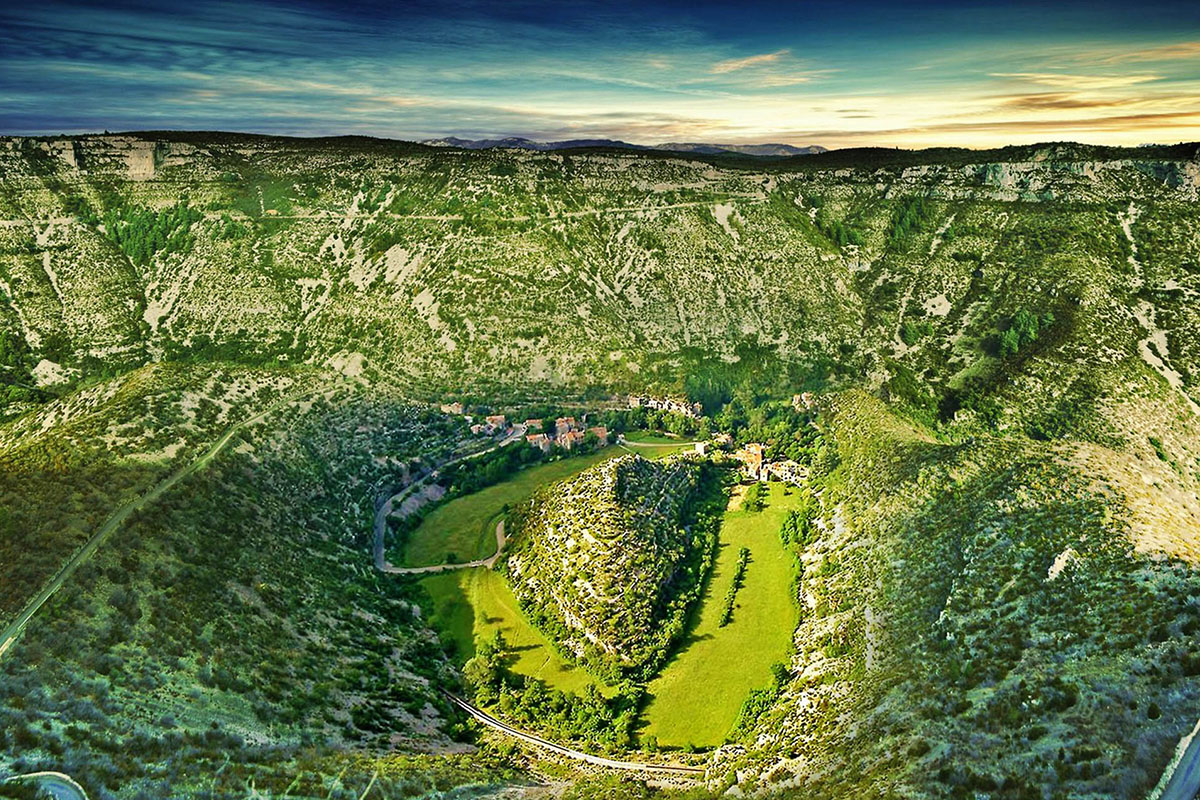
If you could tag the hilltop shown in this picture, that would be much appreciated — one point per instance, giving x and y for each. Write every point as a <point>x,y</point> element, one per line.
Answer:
<point>609,561</point>
<point>521,143</point>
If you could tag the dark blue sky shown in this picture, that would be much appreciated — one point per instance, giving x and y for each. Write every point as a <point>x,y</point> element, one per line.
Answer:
<point>912,74</point>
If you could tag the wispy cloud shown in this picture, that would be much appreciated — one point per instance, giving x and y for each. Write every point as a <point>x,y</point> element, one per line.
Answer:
<point>640,70</point>
<point>1070,101</point>
<point>735,64</point>
<point>1178,51</point>
<point>1062,81</point>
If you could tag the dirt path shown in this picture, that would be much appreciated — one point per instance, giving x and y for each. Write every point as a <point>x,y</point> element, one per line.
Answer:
<point>488,562</point>
<point>631,766</point>
<point>114,521</point>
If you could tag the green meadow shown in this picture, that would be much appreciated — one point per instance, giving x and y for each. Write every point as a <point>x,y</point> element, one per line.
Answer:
<point>470,605</point>
<point>466,526</point>
<point>697,697</point>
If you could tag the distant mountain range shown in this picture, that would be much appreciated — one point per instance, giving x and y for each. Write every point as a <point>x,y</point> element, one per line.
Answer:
<point>681,147</point>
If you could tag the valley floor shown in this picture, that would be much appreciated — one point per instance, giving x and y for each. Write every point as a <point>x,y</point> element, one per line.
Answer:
<point>697,697</point>
<point>473,605</point>
<point>728,661</point>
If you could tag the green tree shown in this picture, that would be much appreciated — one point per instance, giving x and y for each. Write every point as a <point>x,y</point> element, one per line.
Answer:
<point>753,500</point>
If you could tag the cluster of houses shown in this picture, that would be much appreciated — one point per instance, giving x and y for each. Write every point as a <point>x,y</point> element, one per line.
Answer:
<point>568,434</point>
<point>755,466</point>
<point>492,425</point>
<point>693,410</point>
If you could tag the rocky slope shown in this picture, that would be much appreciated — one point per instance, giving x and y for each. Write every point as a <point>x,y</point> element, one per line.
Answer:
<point>609,560</point>
<point>982,617</point>
<point>999,591</point>
<point>502,268</point>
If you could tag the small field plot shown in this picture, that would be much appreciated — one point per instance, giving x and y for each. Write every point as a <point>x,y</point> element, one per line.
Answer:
<point>652,445</point>
<point>471,605</point>
<point>466,526</point>
<point>697,697</point>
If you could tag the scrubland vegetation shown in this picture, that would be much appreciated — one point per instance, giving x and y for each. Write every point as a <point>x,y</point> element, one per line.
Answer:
<point>609,562</point>
<point>192,636</point>
<point>986,361</point>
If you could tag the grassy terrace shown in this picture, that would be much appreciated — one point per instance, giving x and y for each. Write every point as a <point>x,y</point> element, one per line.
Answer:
<point>471,605</point>
<point>466,526</point>
<point>697,697</point>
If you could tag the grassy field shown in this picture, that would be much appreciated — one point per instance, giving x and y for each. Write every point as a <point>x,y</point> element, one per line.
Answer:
<point>466,526</point>
<point>697,697</point>
<point>472,604</point>
<point>652,445</point>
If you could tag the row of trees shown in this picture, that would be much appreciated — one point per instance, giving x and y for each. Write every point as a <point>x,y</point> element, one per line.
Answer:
<point>739,576</point>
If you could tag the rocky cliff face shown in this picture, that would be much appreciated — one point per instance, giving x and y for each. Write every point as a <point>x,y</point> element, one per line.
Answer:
<point>542,267</point>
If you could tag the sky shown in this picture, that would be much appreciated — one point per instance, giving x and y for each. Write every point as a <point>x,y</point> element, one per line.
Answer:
<point>893,74</point>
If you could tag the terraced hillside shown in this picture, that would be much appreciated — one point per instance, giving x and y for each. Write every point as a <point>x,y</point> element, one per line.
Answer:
<point>608,562</point>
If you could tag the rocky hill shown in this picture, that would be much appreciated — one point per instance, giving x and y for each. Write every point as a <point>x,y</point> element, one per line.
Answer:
<point>608,561</point>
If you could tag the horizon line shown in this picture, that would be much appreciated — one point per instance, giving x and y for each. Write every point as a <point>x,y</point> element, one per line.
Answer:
<point>656,146</point>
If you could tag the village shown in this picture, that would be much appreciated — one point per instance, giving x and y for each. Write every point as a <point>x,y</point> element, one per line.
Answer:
<point>569,433</point>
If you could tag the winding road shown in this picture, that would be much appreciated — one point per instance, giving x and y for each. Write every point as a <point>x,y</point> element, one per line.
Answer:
<point>115,520</point>
<point>385,510</point>
<point>58,785</point>
<point>488,562</point>
<point>632,766</point>
<point>1183,782</point>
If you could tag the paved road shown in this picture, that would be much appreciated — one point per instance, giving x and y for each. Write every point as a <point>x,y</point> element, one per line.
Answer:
<point>578,755</point>
<point>58,785</point>
<point>115,520</point>
<point>488,562</point>
<point>385,510</point>
<point>1184,783</point>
